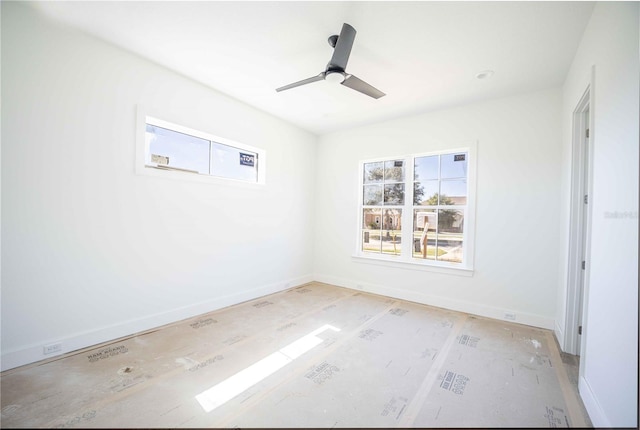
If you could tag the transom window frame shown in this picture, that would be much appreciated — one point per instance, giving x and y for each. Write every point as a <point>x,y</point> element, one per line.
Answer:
<point>144,116</point>
<point>406,260</point>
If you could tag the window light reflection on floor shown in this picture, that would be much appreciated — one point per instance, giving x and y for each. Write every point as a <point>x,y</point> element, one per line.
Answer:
<point>226,390</point>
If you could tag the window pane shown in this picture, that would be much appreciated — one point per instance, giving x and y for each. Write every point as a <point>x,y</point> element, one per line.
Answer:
<point>453,165</point>
<point>394,171</point>
<point>233,163</point>
<point>373,172</point>
<point>394,194</point>
<point>426,168</point>
<point>424,233</point>
<point>371,223</point>
<point>450,229</point>
<point>178,150</point>
<point>372,195</point>
<point>453,192</point>
<point>425,193</point>
<point>391,231</point>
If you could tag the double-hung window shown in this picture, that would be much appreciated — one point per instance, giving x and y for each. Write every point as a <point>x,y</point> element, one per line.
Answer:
<point>383,202</point>
<point>418,209</point>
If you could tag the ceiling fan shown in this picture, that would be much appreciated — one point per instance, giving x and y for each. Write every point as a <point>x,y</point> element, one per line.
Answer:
<point>335,70</point>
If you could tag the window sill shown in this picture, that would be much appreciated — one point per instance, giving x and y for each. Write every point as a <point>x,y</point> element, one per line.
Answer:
<point>420,266</point>
<point>194,177</point>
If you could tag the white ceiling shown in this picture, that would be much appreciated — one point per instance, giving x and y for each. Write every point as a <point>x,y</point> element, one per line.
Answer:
<point>423,55</point>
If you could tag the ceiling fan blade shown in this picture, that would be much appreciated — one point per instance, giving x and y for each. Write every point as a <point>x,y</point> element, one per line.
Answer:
<point>302,82</point>
<point>361,86</point>
<point>342,50</point>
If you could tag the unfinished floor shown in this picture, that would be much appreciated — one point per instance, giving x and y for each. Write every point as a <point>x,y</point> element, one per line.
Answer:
<point>312,356</point>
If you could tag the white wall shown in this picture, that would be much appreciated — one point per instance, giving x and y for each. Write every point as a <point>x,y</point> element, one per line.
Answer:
<point>609,356</point>
<point>90,250</point>
<point>517,225</point>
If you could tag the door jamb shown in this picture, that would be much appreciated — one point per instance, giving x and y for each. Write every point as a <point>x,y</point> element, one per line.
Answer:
<point>580,123</point>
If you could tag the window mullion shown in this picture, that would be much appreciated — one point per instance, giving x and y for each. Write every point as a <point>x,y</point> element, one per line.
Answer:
<point>210,158</point>
<point>407,211</point>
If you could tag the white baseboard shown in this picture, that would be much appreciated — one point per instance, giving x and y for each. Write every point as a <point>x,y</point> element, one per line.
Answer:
<point>591,404</point>
<point>442,302</point>
<point>560,336</point>
<point>74,342</point>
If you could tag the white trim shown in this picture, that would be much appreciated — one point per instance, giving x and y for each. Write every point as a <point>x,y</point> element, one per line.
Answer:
<point>406,259</point>
<point>34,353</point>
<point>381,260</point>
<point>559,333</point>
<point>576,280</point>
<point>591,404</point>
<point>76,341</point>
<point>441,302</point>
<point>144,116</point>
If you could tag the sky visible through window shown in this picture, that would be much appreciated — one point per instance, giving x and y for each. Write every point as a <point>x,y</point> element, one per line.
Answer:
<point>184,151</point>
<point>172,149</point>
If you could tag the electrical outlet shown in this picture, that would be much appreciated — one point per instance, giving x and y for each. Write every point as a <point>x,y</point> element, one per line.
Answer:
<point>51,348</point>
<point>510,317</point>
<point>360,287</point>
<point>287,285</point>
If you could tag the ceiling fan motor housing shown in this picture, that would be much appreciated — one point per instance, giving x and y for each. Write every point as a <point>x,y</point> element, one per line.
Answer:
<point>336,76</point>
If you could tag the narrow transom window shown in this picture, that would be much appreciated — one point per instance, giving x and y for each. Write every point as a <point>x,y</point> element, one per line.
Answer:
<point>174,148</point>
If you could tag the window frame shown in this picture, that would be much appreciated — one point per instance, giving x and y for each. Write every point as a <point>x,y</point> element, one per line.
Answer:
<point>143,118</point>
<point>406,259</point>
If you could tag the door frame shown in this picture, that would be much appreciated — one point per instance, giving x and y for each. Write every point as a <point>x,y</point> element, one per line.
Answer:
<point>580,225</point>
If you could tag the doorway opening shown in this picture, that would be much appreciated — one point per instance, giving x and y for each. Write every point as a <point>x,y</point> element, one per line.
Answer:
<point>579,224</point>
